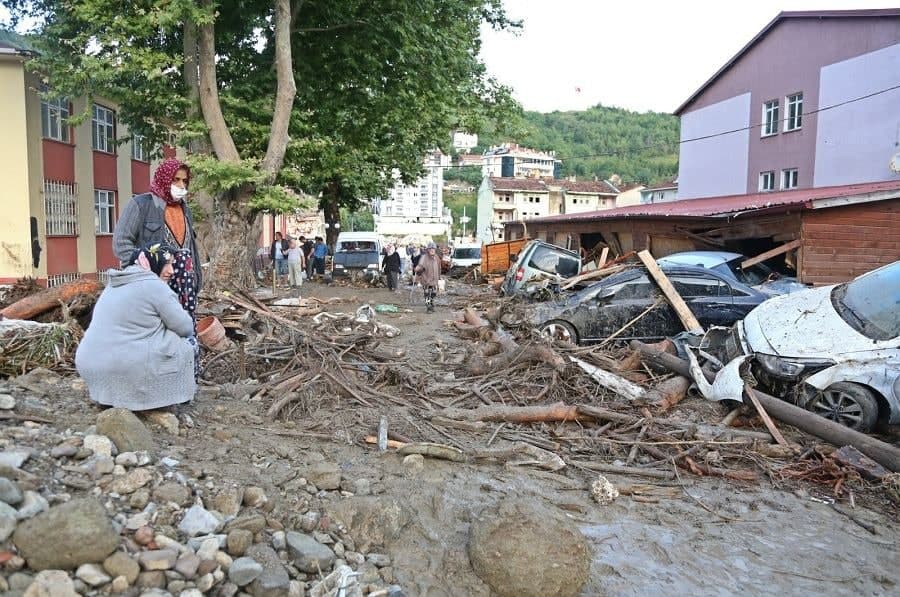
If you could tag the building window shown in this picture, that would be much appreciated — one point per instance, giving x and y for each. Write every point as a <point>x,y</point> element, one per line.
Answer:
<point>794,107</point>
<point>139,148</point>
<point>767,181</point>
<point>789,178</point>
<point>104,211</point>
<point>55,119</point>
<point>103,125</point>
<point>770,118</point>
<point>60,208</point>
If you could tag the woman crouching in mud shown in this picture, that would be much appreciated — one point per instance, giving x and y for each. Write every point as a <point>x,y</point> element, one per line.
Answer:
<point>138,352</point>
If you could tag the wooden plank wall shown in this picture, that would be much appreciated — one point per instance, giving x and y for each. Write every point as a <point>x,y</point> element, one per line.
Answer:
<point>495,256</point>
<point>840,243</point>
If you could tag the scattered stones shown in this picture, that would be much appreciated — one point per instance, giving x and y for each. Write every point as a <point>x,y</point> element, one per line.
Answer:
<point>308,554</point>
<point>144,535</point>
<point>155,579</point>
<point>100,445</point>
<point>14,458</point>
<point>158,559</point>
<point>526,549</point>
<point>372,522</point>
<point>131,481</point>
<point>167,421</point>
<point>66,536</point>
<point>10,492</point>
<point>119,565</point>
<point>251,522</point>
<point>228,502</point>
<point>239,540</point>
<point>32,504</point>
<point>208,548</point>
<point>92,574</point>
<point>8,522</point>
<point>172,492</point>
<point>51,583</point>
<point>198,520</point>
<point>66,449</point>
<point>324,475</point>
<point>244,571</point>
<point>254,497</point>
<point>139,499</point>
<point>278,540</point>
<point>125,430</point>
<point>187,565</point>
<point>379,559</point>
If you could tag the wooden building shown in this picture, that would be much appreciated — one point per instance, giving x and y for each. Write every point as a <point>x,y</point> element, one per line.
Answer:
<point>840,232</point>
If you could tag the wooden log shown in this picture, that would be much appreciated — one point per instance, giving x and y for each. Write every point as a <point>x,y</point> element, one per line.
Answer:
<point>681,309</point>
<point>767,420</point>
<point>611,381</point>
<point>517,414</point>
<point>838,435</point>
<point>771,253</point>
<point>474,319</point>
<point>669,392</point>
<point>45,300</point>
<point>591,275</point>
<point>624,470</point>
<point>604,254</point>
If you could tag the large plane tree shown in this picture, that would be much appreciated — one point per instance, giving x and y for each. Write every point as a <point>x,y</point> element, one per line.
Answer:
<point>274,96</point>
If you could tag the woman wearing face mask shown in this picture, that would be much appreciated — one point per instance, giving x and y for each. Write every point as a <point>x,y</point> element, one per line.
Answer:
<point>138,352</point>
<point>162,216</point>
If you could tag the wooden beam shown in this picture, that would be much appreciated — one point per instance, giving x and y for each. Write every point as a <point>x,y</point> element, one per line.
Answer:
<point>771,253</point>
<point>604,254</point>
<point>681,309</point>
<point>766,419</point>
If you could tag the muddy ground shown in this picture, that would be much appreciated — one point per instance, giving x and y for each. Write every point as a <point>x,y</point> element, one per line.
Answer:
<point>701,536</point>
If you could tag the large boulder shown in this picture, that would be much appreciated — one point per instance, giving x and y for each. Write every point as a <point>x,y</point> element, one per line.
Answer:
<point>523,549</point>
<point>125,430</point>
<point>274,580</point>
<point>66,536</point>
<point>308,554</point>
<point>372,522</point>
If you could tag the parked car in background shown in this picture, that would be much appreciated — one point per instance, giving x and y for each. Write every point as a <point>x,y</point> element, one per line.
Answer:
<point>834,350</point>
<point>539,261</point>
<point>465,256</point>
<point>759,275</point>
<point>357,254</point>
<point>602,309</point>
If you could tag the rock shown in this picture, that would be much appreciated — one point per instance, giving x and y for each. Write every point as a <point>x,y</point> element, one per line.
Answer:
<point>250,522</point>
<point>32,505</point>
<point>379,559</point>
<point>100,445</point>
<point>121,565</point>
<point>414,462</point>
<point>191,593</point>
<point>14,458</point>
<point>187,565</point>
<point>167,421</point>
<point>523,548</point>
<point>324,475</point>
<point>119,584</point>
<point>244,571</point>
<point>278,540</point>
<point>92,574</point>
<point>603,491</point>
<point>205,583</point>
<point>165,542</point>
<point>238,541</point>
<point>131,481</point>
<point>198,521</point>
<point>308,554</point>
<point>67,449</point>
<point>19,581</point>
<point>51,583</point>
<point>143,536</point>
<point>172,492</point>
<point>371,522</point>
<point>155,579</point>
<point>207,567</point>
<point>66,536</point>
<point>7,402</point>
<point>223,559</point>
<point>139,499</point>
<point>158,559</point>
<point>125,430</point>
<point>362,487</point>
<point>228,502</point>
<point>310,521</point>
<point>274,580</point>
<point>8,522</point>
<point>254,497</point>
<point>229,589</point>
<point>296,589</point>
<point>10,492</point>
<point>208,548</point>
<point>101,465</point>
<point>127,459</point>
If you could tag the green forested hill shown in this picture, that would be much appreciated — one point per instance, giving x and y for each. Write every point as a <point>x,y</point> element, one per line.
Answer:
<point>602,141</point>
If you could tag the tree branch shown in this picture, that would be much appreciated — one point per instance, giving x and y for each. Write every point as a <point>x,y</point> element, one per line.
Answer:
<point>331,28</point>
<point>219,135</point>
<point>284,97</point>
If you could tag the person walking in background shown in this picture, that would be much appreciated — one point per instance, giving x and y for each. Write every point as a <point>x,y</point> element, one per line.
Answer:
<point>429,273</point>
<point>320,250</point>
<point>391,267</point>
<point>295,265</point>
<point>307,245</point>
<point>162,217</point>
<point>278,253</point>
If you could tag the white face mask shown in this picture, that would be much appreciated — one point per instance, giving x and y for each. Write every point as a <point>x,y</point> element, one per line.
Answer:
<point>178,193</point>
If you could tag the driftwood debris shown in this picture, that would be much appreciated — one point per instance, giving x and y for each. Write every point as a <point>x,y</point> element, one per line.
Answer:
<point>681,309</point>
<point>611,381</point>
<point>45,300</point>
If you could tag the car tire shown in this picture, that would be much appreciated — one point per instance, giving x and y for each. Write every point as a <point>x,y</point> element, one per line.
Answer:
<point>560,330</point>
<point>849,404</point>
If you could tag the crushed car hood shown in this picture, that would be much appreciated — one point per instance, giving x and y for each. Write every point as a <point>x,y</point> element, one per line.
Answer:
<point>802,324</point>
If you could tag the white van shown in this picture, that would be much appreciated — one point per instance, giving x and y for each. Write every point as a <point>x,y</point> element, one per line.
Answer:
<point>465,256</point>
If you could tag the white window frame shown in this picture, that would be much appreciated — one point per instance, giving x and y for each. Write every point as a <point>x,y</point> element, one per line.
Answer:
<point>139,148</point>
<point>793,112</point>
<point>103,129</point>
<point>55,119</point>
<point>768,175</point>
<point>104,211</point>
<point>790,179</point>
<point>770,111</point>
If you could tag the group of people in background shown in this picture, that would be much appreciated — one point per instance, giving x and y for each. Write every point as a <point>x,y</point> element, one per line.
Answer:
<point>294,259</point>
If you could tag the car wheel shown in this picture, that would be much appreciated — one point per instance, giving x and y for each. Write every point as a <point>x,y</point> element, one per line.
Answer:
<point>846,403</point>
<point>560,330</point>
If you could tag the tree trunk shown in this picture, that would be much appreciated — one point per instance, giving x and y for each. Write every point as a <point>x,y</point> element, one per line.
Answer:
<point>219,135</point>
<point>332,213</point>
<point>232,248</point>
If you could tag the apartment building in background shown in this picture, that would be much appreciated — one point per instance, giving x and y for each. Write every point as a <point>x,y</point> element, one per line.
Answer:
<point>416,208</point>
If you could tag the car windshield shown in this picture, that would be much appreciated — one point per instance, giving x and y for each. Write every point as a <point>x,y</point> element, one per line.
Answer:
<point>751,276</point>
<point>553,261</point>
<point>467,253</point>
<point>357,245</point>
<point>871,303</point>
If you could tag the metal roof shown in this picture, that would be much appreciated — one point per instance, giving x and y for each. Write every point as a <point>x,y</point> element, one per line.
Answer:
<point>712,207</point>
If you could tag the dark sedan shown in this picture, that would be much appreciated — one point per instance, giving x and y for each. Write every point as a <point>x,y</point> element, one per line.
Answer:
<point>600,310</point>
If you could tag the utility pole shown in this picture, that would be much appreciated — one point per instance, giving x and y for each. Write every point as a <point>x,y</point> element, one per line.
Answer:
<point>464,220</point>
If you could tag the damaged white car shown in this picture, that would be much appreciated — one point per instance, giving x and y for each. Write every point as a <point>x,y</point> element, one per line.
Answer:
<point>834,350</point>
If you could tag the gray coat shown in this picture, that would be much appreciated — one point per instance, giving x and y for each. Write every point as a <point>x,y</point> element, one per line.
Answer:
<point>142,223</point>
<point>135,354</point>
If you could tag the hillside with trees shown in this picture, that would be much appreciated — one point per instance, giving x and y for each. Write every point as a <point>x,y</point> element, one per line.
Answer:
<point>600,141</point>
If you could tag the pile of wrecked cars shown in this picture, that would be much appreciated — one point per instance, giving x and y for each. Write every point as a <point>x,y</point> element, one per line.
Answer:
<point>833,350</point>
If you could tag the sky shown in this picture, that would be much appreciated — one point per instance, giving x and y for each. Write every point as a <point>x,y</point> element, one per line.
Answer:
<point>636,54</point>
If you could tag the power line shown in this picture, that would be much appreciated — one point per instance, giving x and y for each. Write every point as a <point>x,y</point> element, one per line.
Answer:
<point>693,139</point>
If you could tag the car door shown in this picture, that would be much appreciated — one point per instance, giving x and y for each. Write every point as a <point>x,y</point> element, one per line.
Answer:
<point>619,303</point>
<point>709,298</point>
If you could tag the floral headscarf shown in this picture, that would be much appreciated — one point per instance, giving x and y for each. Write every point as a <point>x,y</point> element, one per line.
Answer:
<point>152,258</point>
<point>162,179</point>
